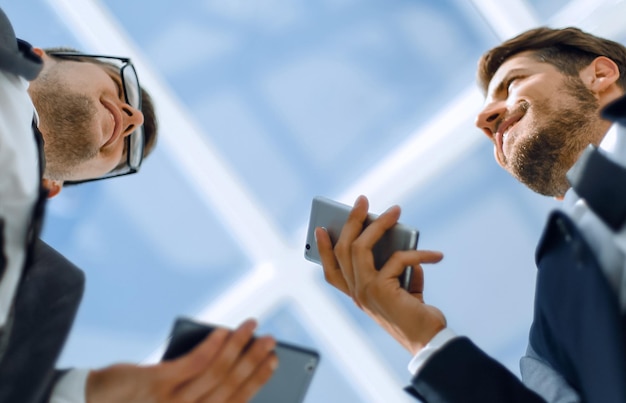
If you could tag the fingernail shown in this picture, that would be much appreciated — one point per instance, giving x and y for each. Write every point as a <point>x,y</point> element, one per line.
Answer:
<point>315,233</point>
<point>251,322</point>
<point>391,208</point>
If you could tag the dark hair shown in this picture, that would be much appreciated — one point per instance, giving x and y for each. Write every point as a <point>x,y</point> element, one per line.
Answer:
<point>568,49</point>
<point>150,123</point>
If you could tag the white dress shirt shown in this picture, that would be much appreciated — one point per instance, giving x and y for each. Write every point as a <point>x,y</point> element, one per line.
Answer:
<point>19,188</point>
<point>19,181</point>
<point>71,387</point>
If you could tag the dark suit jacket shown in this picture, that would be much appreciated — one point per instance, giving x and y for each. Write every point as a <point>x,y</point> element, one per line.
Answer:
<point>461,372</point>
<point>578,333</point>
<point>44,309</point>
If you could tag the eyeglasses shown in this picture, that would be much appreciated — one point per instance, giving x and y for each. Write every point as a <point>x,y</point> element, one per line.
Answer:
<point>134,143</point>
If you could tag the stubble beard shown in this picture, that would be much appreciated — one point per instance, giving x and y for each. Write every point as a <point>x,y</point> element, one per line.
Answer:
<point>65,122</point>
<point>543,158</point>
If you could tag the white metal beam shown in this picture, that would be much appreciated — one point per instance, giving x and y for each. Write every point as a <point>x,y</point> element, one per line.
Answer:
<point>506,18</point>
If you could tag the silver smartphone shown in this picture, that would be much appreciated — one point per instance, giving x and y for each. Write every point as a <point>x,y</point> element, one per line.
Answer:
<point>332,215</point>
<point>290,382</point>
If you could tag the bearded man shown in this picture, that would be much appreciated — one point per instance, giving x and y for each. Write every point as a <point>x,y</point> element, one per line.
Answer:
<point>552,97</point>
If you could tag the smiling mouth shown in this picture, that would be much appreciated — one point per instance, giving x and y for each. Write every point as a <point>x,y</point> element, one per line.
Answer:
<point>504,129</point>
<point>117,123</point>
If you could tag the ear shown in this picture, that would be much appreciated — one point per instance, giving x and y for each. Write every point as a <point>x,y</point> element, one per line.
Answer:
<point>600,75</point>
<point>54,187</point>
<point>44,56</point>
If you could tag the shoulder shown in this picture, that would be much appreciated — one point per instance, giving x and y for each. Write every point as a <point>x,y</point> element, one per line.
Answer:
<point>16,56</point>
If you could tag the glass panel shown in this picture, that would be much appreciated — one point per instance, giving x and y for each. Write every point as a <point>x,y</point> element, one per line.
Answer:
<point>150,253</point>
<point>545,9</point>
<point>317,91</point>
<point>35,22</point>
<point>328,384</point>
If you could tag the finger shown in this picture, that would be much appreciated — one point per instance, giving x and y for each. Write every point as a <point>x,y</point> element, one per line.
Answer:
<point>245,373</point>
<point>332,271</point>
<point>362,254</point>
<point>262,374</point>
<point>400,260</point>
<point>350,231</point>
<point>220,365</point>
<point>377,228</point>
<point>416,283</point>
<point>193,363</point>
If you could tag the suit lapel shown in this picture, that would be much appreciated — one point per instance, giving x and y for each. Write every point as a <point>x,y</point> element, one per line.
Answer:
<point>44,310</point>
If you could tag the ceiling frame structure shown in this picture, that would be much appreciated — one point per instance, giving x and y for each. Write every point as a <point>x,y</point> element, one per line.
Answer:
<point>271,254</point>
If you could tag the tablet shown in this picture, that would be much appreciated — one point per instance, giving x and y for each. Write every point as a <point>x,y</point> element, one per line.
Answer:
<point>288,384</point>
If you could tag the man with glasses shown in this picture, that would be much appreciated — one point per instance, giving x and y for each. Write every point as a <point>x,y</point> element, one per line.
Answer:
<point>93,121</point>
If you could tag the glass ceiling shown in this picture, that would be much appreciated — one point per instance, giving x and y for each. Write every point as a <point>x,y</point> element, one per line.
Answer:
<point>263,105</point>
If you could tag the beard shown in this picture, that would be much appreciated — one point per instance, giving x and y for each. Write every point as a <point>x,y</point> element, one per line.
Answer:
<point>66,123</point>
<point>542,159</point>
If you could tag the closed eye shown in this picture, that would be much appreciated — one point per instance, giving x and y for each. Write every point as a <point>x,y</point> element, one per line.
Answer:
<point>509,82</point>
<point>118,85</point>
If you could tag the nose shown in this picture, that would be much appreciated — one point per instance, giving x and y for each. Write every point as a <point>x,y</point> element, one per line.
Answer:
<point>132,119</point>
<point>489,118</point>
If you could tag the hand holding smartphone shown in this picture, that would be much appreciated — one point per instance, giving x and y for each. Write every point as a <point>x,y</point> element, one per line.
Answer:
<point>289,384</point>
<point>332,215</point>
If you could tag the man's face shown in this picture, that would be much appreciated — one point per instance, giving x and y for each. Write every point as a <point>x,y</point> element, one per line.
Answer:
<point>83,118</point>
<point>539,120</point>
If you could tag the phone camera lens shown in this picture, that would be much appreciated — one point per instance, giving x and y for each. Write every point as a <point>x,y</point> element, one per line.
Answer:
<point>308,246</point>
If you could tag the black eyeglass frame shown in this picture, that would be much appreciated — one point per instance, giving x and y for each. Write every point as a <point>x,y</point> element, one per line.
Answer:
<point>134,143</point>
